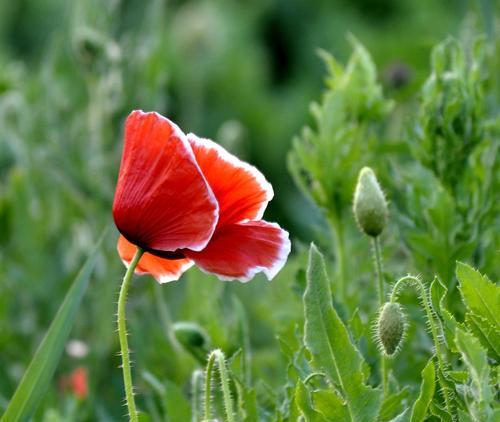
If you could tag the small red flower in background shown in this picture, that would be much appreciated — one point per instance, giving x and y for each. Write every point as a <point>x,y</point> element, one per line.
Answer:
<point>76,383</point>
<point>186,200</point>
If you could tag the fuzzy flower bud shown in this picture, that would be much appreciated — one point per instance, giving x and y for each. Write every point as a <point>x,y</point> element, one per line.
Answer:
<point>370,206</point>
<point>390,328</point>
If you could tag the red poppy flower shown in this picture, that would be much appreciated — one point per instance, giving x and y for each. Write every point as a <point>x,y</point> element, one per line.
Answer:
<point>186,200</point>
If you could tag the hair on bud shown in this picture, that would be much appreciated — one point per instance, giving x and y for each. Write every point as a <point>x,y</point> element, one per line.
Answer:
<point>370,206</point>
<point>390,328</point>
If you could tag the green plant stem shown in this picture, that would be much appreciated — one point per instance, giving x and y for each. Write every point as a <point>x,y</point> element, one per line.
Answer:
<point>381,299</point>
<point>196,385</point>
<point>122,333</point>
<point>378,270</point>
<point>216,357</point>
<point>424,296</point>
<point>425,302</point>
<point>338,239</point>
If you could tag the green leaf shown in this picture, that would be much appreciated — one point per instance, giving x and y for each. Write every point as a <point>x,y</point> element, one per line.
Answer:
<point>246,401</point>
<point>402,417</point>
<point>393,405</point>
<point>303,402</point>
<point>479,395</point>
<point>427,388</point>
<point>485,332</point>
<point>36,379</point>
<point>446,320</point>
<point>175,405</point>
<point>330,405</point>
<point>479,294</point>
<point>328,341</point>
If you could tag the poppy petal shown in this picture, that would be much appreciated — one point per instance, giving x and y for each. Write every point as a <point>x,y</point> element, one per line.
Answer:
<point>162,200</point>
<point>241,190</point>
<point>239,251</point>
<point>163,270</point>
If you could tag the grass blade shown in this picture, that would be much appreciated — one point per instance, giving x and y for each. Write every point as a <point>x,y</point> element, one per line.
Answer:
<point>36,379</point>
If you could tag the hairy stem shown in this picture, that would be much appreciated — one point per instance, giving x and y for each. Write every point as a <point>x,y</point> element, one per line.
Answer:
<point>377,258</point>
<point>122,333</point>
<point>426,302</point>
<point>196,383</point>
<point>217,358</point>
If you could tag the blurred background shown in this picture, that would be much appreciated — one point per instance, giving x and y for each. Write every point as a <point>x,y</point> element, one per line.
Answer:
<point>240,72</point>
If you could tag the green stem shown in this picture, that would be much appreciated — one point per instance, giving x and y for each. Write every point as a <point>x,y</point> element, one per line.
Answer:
<point>381,299</point>
<point>415,281</point>
<point>217,357</point>
<point>338,239</point>
<point>122,333</point>
<point>196,384</point>
<point>379,270</point>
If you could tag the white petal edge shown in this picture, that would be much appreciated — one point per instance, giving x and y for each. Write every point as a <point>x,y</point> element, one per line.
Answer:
<point>236,162</point>
<point>174,277</point>
<point>271,272</point>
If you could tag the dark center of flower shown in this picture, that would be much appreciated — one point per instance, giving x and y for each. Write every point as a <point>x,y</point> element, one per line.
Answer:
<point>178,254</point>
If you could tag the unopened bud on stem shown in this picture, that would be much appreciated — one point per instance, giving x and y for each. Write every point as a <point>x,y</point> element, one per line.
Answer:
<point>370,206</point>
<point>390,329</point>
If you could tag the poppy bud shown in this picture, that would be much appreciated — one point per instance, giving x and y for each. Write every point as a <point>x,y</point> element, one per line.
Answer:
<point>370,206</point>
<point>193,338</point>
<point>390,328</point>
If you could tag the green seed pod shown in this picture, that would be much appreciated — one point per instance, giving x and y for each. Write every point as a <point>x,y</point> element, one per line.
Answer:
<point>193,338</point>
<point>370,206</point>
<point>390,329</point>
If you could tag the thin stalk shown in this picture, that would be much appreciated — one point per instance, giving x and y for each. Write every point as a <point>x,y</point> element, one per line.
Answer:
<point>216,357</point>
<point>207,408</point>
<point>122,333</point>
<point>196,384</point>
<point>339,243</point>
<point>427,307</point>
<point>378,270</point>
<point>381,299</point>
<point>415,281</point>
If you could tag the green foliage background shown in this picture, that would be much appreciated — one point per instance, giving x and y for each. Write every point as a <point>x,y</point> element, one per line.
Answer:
<point>244,74</point>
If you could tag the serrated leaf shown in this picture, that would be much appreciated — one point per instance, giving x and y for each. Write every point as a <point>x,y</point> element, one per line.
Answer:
<point>246,401</point>
<point>479,395</point>
<point>485,332</point>
<point>447,322</point>
<point>328,341</point>
<point>330,405</point>
<point>402,417</point>
<point>437,294</point>
<point>458,376</point>
<point>479,294</point>
<point>303,402</point>
<point>36,379</point>
<point>393,405</point>
<point>438,411</point>
<point>419,410</point>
